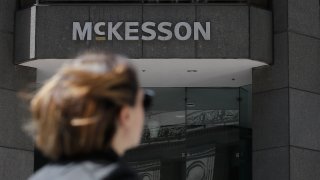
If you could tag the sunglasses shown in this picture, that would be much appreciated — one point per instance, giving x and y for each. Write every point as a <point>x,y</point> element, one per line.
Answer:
<point>148,99</point>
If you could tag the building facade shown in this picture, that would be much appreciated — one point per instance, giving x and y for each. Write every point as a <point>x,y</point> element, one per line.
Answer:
<point>244,106</point>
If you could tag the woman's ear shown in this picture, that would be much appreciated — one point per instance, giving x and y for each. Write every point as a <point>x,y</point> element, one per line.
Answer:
<point>124,116</point>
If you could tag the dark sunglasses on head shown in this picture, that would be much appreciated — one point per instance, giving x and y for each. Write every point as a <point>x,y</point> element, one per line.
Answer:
<point>148,99</point>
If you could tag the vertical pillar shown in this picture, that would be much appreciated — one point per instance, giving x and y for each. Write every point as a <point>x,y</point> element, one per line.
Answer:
<point>16,149</point>
<point>286,97</point>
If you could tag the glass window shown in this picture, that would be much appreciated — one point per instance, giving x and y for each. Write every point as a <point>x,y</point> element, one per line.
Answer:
<point>196,133</point>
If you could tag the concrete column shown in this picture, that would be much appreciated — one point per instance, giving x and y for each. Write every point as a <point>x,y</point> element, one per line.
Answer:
<point>286,97</point>
<point>16,149</point>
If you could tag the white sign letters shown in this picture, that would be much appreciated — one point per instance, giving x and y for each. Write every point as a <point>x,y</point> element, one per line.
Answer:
<point>146,31</point>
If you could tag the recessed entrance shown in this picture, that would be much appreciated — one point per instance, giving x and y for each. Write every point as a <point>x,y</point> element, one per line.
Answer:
<point>200,124</point>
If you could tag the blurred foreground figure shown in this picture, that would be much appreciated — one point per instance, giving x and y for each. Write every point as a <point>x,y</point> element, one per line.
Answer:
<point>86,117</point>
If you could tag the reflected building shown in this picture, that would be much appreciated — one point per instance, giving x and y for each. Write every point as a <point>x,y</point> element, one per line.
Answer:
<point>196,134</point>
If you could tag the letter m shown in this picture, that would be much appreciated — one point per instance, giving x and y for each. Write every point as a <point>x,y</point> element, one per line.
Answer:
<point>82,33</point>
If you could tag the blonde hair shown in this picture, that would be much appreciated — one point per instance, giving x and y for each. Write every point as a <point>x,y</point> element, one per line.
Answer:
<point>75,111</point>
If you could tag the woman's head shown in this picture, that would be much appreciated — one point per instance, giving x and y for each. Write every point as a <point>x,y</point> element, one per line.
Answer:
<point>92,102</point>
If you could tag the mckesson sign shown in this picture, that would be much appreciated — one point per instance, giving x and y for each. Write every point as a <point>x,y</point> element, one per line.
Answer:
<point>149,31</point>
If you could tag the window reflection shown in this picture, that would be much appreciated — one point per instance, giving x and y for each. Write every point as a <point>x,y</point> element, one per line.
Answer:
<point>195,134</point>
<point>164,126</point>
